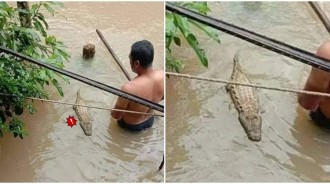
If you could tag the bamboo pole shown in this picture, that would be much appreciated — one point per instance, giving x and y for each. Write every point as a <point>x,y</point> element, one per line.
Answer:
<point>320,13</point>
<point>114,55</point>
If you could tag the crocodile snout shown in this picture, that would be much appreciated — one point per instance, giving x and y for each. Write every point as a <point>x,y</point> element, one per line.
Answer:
<point>254,135</point>
<point>252,126</point>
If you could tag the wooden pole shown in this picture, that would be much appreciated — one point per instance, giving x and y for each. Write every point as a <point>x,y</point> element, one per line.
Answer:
<point>114,55</point>
<point>320,13</point>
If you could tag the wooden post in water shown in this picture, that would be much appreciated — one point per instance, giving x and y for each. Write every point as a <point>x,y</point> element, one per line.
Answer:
<point>88,51</point>
<point>24,16</point>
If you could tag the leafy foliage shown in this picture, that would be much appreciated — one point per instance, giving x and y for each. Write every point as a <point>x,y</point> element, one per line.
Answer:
<point>177,25</point>
<point>20,78</point>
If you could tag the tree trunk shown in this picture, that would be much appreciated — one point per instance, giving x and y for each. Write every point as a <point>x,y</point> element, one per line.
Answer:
<point>24,17</point>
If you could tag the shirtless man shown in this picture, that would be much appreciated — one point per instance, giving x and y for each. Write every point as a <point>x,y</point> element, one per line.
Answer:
<point>148,84</point>
<point>318,80</point>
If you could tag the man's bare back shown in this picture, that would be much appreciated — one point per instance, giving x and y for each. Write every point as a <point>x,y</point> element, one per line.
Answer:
<point>148,84</point>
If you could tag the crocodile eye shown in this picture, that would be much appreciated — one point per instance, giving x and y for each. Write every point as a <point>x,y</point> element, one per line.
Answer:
<point>254,118</point>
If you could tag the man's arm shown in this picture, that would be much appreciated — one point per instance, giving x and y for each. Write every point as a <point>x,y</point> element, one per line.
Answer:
<point>318,80</point>
<point>120,104</point>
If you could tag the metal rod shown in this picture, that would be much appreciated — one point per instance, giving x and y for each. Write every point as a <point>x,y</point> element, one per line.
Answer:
<point>319,12</point>
<point>88,81</point>
<point>255,38</point>
<point>113,55</point>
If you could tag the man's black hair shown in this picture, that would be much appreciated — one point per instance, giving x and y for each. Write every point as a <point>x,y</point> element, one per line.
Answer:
<point>144,52</point>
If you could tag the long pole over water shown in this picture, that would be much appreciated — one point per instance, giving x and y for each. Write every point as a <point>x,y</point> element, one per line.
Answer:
<point>114,55</point>
<point>322,16</point>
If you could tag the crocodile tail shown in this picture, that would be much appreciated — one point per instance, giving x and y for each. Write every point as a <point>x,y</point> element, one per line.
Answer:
<point>78,94</point>
<point>236,60</point>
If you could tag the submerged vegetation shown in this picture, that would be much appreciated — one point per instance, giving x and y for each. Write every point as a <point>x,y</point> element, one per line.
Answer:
<point>18,78</point>
<point>178,26</point>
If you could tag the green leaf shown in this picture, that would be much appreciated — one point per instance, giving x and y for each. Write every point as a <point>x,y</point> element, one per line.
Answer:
<point>58,3</point>
<point>31,108</point>
<point>173,64</point>
<point>199,51</point>
<point>34,9</point>
<point>50,10</point>
<point>51,40</point>
<point>63,77</point>
<point>200,7</point>
<point>43,75</point>
<point>58,87</point>
<point>42,18</point>
<point>212,33</point>
<point>3,5</point>
<point>64,54</point>
<point>177,40</point>
<point>170,26</point>
<point>28,32</point>
<point>191,39</point>
<point>40,28</point>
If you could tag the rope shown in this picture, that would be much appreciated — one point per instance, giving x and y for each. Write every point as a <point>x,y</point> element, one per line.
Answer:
<point>88,106</point>
<point>249,85</point>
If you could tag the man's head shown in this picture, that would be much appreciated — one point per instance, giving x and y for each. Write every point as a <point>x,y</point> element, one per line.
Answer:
<point>142,55</point>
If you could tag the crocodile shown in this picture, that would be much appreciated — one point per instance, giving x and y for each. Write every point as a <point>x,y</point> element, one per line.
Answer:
<point>83,115</point>
<point>246,102</point>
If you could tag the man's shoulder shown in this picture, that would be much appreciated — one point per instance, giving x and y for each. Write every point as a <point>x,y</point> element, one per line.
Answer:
<point>325,45</point>
<point>324,49</point>
<point>128,86</point>
<point>159,73</point>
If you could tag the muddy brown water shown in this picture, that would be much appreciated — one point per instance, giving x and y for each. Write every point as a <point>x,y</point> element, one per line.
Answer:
<point>204,139</point>
<point>54,152</point>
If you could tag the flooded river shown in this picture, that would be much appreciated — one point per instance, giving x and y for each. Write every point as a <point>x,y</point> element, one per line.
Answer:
<point>205,141</point>
<point>55,152</point>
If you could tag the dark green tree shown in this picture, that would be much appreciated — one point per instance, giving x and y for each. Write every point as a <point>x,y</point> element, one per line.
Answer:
<point>18,78</point>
